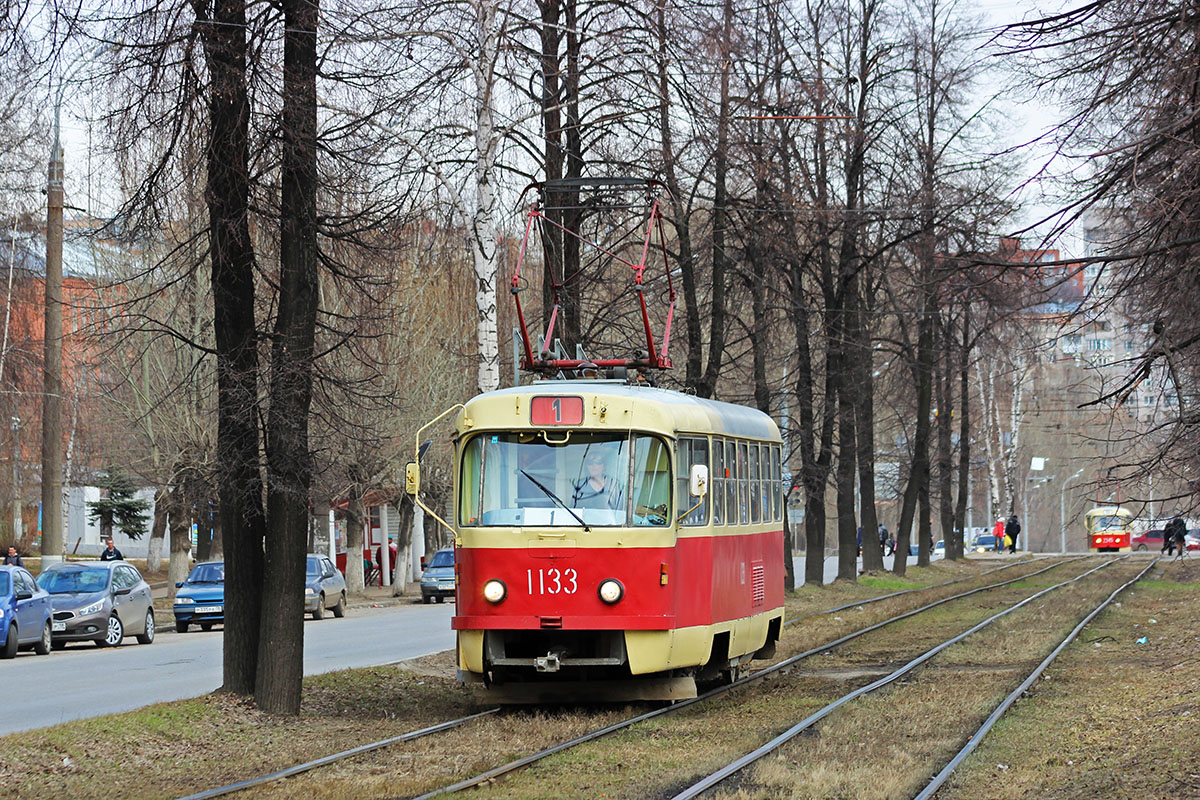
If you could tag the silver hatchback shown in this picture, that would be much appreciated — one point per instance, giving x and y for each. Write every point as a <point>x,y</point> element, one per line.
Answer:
<point>99,601</point>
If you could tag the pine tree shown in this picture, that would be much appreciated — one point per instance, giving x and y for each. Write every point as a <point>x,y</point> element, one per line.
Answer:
<point>117,506</point>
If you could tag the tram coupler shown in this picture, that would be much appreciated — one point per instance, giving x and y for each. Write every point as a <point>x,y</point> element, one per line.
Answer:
<point>551,662</point>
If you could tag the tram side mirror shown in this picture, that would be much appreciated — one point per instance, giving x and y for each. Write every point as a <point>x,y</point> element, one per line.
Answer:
<point>412,471</point>
<point>698,480</point>
<point>412,478</point>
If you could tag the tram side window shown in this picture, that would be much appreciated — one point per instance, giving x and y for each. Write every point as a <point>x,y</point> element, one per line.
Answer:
<point>716,489</point>
<point>469,483</point>
<point>764,488</point>
<point>651,482</point>
<point>754,483</point>
<point>690,452</point>
<point>776,486</point>
<point>743,472</point>
<point>731,482</point>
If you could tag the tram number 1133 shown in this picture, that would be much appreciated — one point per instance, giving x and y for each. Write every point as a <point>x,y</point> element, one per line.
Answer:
<point>552,581</point>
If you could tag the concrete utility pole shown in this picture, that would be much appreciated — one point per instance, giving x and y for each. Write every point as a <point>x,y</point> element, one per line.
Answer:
<point>52,533</point>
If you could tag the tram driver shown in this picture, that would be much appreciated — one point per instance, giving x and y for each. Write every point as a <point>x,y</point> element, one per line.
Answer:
<point>597,489</point>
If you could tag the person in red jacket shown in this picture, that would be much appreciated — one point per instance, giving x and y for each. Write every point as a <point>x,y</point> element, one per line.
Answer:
<point>391,558</point>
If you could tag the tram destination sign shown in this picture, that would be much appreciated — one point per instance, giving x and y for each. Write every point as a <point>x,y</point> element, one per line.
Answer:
<point>548,410</point>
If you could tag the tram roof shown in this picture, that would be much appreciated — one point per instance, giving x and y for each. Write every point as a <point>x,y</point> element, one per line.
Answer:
<point>689,413</point>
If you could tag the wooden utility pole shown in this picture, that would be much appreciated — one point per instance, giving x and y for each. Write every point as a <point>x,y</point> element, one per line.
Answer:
<point>52,534</point>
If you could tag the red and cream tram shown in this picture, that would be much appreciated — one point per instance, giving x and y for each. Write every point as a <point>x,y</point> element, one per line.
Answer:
<point>614,541</point>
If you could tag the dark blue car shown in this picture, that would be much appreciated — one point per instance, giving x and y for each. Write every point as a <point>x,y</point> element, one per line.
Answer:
<point>201,598</point>
<point>24,613</point>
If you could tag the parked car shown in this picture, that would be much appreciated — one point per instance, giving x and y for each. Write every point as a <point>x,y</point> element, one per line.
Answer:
<point>437,581</point>
<point>1192,540</point>
<point>201,598</point>
<point>325,588</point>
<point>984,544</point>
<point>24,613</point>
<point>939,549</point>
<point>98,601</point>
<point>1150,540</point>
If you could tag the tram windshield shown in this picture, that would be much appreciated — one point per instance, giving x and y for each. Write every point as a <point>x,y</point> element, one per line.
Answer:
<point>1110,522</point>
<point>565,479</point>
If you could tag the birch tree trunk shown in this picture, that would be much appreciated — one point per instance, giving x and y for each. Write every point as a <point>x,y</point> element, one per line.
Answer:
<point>483,221</point>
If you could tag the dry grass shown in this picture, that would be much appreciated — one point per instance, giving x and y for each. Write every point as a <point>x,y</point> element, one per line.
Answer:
<point>1113,718</point>
<point>179,748</point>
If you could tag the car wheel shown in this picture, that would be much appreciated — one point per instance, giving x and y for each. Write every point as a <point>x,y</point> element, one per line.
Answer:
<point>180,627</point>
<point>339,610</point>
<point>441,598</point>
<point>1141,547</point>
<point>10,644</point>
<point>114,635</point>
<point>319,611</point>
<point>206,626</point>
<point>57,645</point>
<point>42,648</point>
<point>148,636</point>
<point>426,599</point>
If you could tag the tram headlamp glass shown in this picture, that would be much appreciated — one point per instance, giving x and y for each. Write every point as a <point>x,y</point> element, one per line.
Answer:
<point>494,591</point>
<point>611,590</point>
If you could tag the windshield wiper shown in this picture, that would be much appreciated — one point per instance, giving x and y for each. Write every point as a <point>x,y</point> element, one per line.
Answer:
<point>554,497</point>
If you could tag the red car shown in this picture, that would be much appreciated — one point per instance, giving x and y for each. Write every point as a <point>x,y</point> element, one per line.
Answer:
<point>1150,540</point>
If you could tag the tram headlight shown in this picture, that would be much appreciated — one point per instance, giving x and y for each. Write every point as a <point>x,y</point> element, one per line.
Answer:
<point>611,590</point>
<point>494,591</point>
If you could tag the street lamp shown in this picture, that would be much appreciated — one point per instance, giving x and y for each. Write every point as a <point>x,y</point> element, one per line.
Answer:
<point>52,457</point>
<point>1038,480</point>
<point>1062,511</point>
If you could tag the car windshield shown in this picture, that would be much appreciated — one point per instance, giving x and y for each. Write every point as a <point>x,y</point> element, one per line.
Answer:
<point>985,541</point>
<point>4,581</point>
<point>313,569</point>
<point>565,479</point>
<point>207,573</point>
<point>1109,523</point>
<point>442,558</point>
<point>68,581</point>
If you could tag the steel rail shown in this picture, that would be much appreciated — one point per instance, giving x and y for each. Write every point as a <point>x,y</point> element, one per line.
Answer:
<point>329,759</point>
<point>844,606</point>
<point>720,775</point>
<point>525,761</point>
<point>977,737</point>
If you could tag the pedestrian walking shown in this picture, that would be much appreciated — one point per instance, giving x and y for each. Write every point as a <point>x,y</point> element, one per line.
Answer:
<point>1012,529</point>
<point>1174,535</point>
<point>885,541</point>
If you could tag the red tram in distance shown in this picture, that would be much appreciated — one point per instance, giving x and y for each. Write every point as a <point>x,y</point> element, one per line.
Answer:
<point>614,541</point>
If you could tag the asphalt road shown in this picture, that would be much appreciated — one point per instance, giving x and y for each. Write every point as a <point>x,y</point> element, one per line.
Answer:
<point>83,680</point>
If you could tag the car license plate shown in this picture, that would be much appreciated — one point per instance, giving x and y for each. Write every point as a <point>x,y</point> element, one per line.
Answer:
<point>208,609</point>
<point>58,626</point>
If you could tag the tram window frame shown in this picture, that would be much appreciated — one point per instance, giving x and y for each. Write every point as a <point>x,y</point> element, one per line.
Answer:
<point>690,451</point>
<point>777,480</point>
<point>764,487</point>
<point>716,489</point>
<point>731,481</point>
<point>754,481</point>
<point>743,470</point>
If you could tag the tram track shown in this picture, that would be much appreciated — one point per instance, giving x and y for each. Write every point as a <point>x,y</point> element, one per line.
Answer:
<point>715,778</point>
<point>781,666</point>
<point>491,775</point>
